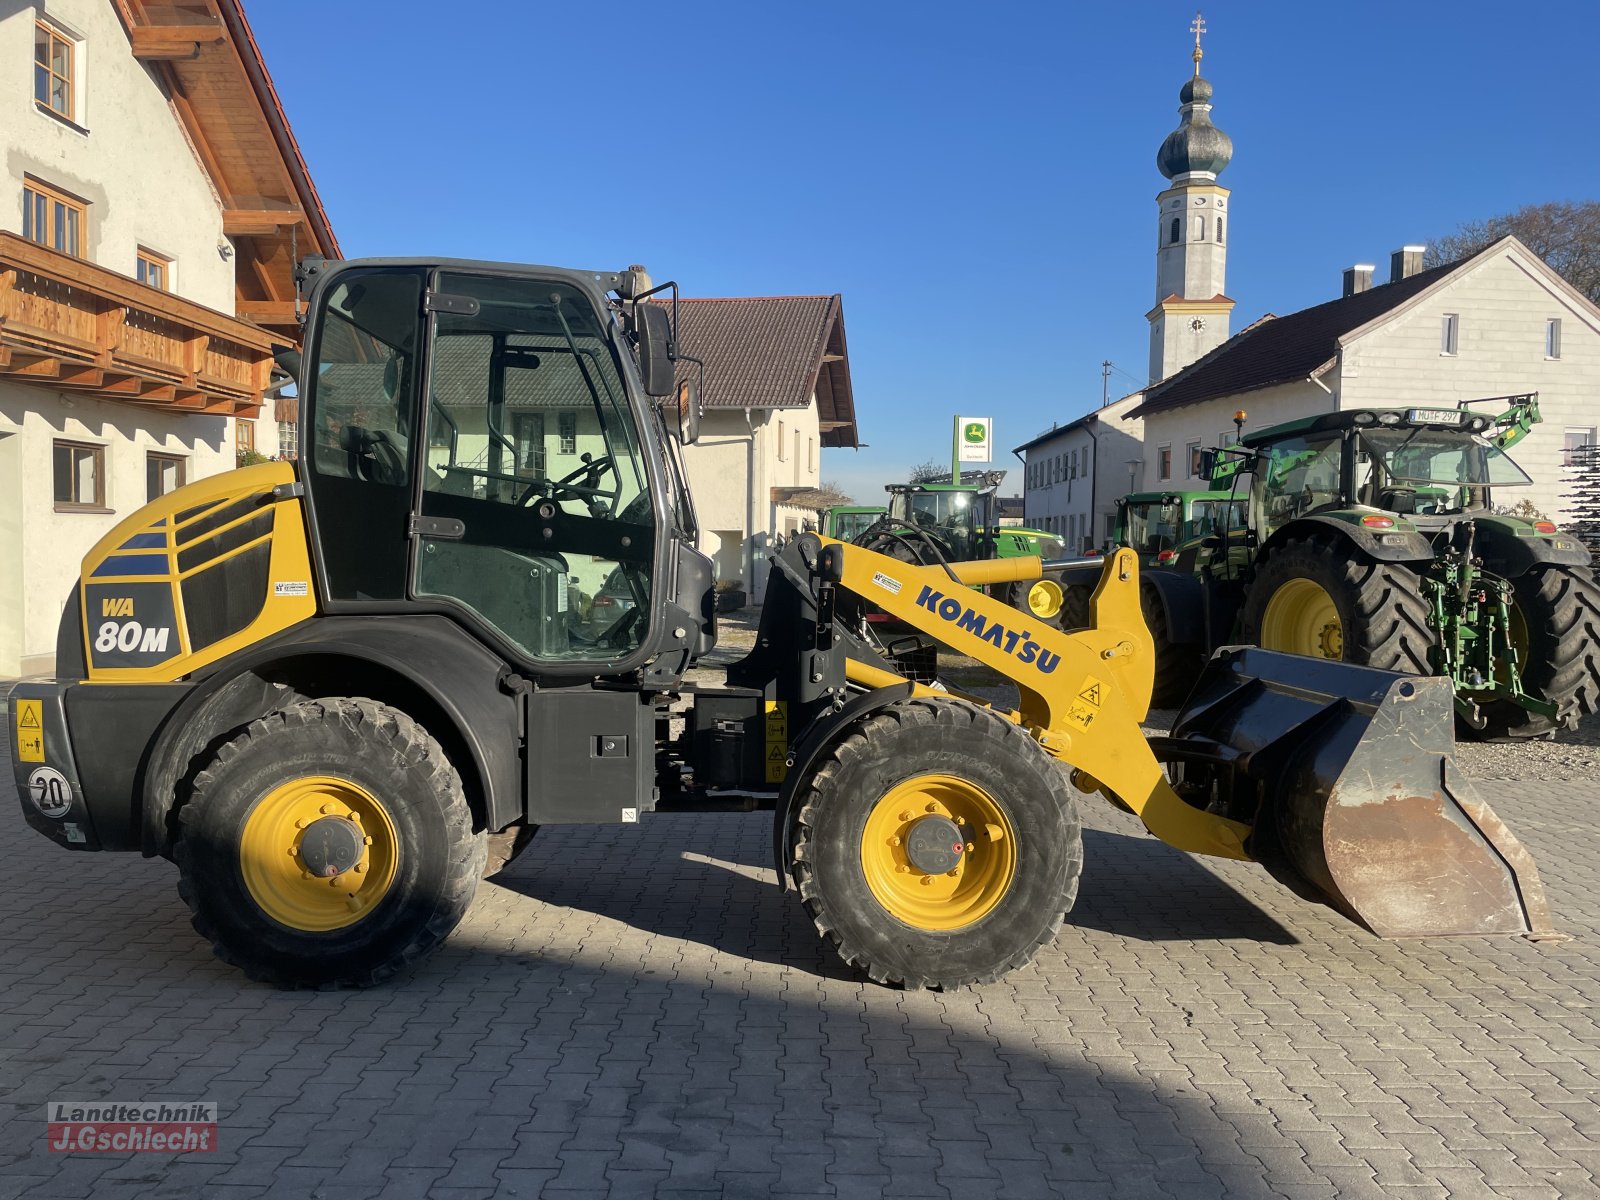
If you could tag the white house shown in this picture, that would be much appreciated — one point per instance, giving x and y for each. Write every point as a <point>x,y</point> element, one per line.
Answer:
<point>777,390</point>
<point>1496,324</point>
<point>1073,474</point>
<point>156,193</point>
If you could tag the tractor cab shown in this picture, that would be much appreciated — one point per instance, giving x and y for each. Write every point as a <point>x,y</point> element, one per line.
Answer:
<point>958,517</point>
<point>489,442</point>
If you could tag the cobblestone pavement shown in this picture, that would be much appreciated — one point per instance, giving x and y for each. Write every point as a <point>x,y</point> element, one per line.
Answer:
<point>641,1012</point>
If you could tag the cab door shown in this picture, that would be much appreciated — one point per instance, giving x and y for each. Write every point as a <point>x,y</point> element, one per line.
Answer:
<point>535,494</point>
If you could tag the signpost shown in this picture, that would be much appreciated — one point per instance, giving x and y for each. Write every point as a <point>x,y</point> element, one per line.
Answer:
<point>970,443</point>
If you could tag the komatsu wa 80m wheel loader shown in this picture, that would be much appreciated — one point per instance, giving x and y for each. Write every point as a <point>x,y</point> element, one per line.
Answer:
<point>338,692</point>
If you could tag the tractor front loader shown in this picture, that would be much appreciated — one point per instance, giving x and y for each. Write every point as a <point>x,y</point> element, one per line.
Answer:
<point>339,692</point>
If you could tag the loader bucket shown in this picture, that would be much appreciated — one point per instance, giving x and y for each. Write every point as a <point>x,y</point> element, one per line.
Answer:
<point>1345,773</point>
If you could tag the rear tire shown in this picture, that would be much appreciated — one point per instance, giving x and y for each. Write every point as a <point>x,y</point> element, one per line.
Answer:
<point>248,871</point>
<point>1177,664</point>
<point>1560,608</point>
<point>1382,618</point>
<point>936,760</point>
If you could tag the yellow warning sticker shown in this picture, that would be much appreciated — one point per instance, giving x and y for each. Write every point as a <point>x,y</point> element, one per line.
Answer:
<point>1087,705</point>
<point>30,731</point>
<point>777,740</point>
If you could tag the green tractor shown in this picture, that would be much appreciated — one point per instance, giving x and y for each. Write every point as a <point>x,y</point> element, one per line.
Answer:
<point>848,521</point>
<point>933,522</point>
<point>1158,525</point>
<point>1371,536</point>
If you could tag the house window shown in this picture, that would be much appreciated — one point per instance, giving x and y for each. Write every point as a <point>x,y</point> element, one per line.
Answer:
<point>1073,470</point>
<point>244,436</point>
<point>782,457</point>
<point>567,431</point>
<point>80,476</point>
<point>53,218</point>
<point>811,454</point>
<point>1552,338</point>
<point>163,473</point>
<point>527,430</point>
<point>288,440</point>
<point>1194,459</point>
<point>1573,441</point>
<point>1164,463</point>
<point>1450,333</point>
<point>154,269</point>
<point>52,70</point>
<point>1177,230</point>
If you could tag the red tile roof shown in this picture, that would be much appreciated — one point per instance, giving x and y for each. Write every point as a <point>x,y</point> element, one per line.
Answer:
<point>773,352</point>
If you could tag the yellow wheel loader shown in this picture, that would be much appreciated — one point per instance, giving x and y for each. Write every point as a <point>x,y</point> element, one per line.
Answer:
<point>338,692</point>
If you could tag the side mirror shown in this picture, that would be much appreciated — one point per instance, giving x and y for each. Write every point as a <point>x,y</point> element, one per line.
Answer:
<point>654,328</point>
<point>688,406</point>
<point>1208,463</point>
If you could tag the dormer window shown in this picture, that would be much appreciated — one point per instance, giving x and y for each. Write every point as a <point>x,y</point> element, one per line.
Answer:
<point>53,80</point>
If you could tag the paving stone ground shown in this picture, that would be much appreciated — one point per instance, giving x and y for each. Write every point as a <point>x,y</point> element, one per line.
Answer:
<point>640,1012</point>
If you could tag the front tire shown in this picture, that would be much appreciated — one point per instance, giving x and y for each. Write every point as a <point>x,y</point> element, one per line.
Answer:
<point>873,845</point>
<point>329,843</point>
<point>1330,601</point>
<point>1560,613</point>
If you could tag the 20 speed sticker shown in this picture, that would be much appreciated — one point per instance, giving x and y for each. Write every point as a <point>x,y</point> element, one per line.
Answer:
<point>50,792</point>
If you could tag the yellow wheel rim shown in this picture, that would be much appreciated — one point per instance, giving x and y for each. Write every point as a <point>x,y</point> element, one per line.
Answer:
<point>276,875</point>
<point>1045,599</point>
<point>945,900</point>
<point>1302,618</point>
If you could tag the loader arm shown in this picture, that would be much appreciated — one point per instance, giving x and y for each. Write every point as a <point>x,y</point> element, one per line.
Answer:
<point>1083,694</point>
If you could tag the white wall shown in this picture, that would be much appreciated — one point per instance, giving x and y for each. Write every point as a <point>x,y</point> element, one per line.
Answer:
<point>48,548</point>
<point>1060,504</point>
<point>1211,424</point>
<point>730,504</point>
<point>129,158</point>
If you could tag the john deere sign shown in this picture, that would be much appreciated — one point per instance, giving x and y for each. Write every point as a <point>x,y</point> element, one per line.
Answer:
<point>972,439</point>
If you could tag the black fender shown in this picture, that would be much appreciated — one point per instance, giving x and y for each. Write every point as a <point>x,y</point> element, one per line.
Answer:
<point>1508,552</point>
<point>1183,603</point>
<point>816,739</point>
<point>424,664</point>
<point>1385,545</point>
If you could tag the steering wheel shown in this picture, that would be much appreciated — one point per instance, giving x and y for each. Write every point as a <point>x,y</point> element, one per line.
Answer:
<point>590,473</point>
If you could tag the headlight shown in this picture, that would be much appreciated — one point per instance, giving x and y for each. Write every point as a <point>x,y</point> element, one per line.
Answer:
<point>1051,548</point>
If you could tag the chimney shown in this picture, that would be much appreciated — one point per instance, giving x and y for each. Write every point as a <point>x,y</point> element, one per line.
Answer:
<point>1405,262</point>
<point>1358,278</point>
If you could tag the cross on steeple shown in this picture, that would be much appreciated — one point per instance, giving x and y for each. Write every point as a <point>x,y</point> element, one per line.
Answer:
<point>1197,27</point>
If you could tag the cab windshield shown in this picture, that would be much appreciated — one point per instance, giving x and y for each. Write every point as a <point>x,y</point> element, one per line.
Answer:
<point>1153,526</point>
<point>1440,457</point>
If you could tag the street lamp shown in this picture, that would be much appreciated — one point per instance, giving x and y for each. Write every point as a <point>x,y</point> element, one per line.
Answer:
<point>1133,473</point>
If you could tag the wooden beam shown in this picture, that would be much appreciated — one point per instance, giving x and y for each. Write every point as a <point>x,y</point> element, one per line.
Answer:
<point>266,312</point>
<point>243,222</point>
<point>164,43</point>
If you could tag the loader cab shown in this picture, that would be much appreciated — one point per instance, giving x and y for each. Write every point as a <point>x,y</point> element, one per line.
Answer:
<point>477,441</point>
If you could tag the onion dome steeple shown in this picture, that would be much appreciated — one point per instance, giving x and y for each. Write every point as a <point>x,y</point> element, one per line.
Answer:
<point>1196,146</point>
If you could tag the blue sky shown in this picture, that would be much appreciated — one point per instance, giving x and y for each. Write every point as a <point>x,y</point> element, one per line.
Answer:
<point>977,181</point>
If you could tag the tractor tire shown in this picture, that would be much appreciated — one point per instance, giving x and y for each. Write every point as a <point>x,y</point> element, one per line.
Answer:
<point>505,847</point>
<point>389,876</point>
<point>1075,607</point>
<point>1325,600</point>
<point>909,780</point>
<point>1560,610</point>
<point>1177,664</point>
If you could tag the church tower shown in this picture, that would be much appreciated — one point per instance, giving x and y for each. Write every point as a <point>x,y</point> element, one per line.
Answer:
<point>1190,318</point>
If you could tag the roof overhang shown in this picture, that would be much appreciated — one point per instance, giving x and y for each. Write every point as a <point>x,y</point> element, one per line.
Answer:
<point>205,54</point>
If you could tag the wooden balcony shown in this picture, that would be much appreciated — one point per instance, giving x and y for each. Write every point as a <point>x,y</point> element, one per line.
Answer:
<point>72,326</point>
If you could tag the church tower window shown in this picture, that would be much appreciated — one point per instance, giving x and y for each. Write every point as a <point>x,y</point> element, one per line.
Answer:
<point>1177,228</point>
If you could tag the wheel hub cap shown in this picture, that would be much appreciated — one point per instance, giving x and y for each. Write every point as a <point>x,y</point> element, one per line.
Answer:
<point>934,845</point>
<point>331,846</point>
